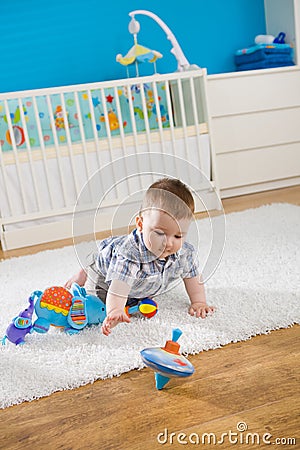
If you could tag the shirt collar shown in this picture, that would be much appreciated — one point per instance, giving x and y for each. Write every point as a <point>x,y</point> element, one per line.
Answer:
<point>134,249</point>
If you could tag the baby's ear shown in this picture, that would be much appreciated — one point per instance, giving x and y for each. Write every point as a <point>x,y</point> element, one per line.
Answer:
<point>139,223</point>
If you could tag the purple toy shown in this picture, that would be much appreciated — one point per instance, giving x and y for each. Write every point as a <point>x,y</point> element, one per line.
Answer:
<point>21,325</point>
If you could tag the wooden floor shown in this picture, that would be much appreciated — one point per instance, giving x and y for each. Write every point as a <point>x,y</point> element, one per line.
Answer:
<point>253,384</point>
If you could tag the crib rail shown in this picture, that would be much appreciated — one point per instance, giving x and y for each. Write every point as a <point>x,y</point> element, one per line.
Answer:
<point>53,140</point>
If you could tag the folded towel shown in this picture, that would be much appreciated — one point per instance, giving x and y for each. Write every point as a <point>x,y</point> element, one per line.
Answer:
<point>281,58</point>
<point>267,48</point>
<point>264,52</point>
<point>264,65</point>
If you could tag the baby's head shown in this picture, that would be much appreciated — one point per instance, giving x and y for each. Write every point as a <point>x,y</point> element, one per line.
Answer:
<point>165,216</point>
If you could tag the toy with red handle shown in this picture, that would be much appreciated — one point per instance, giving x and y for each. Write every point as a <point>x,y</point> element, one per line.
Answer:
<point>167,362</point>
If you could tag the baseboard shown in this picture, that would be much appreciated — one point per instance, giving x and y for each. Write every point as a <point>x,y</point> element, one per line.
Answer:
<point>259,187</point>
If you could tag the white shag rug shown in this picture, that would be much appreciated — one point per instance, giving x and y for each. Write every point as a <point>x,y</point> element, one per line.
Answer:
<point>256,288</point>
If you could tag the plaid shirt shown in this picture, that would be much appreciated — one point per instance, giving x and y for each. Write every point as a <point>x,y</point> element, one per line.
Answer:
<point>126,258</point>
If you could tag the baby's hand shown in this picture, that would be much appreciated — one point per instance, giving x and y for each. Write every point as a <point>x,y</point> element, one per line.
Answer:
<point>113,319</point>
<point>79,278</point>
<point>201,310</point>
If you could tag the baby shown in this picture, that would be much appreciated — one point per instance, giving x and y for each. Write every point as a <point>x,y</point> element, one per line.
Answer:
<point>145,262</point>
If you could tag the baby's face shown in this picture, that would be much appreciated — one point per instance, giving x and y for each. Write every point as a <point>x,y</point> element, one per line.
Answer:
<point>163,234</point>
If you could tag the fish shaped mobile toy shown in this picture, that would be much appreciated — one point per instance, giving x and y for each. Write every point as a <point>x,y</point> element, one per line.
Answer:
<point>167,362</point>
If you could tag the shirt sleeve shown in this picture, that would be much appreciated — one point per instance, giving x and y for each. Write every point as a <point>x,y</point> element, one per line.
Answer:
<point>122,269</point>
<point>190,263</point>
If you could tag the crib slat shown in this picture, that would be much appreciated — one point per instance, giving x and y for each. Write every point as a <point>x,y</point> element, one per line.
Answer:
<point>120,118</point>
<point>69,143</point>
<point>148,134</point>
<point>134,131</point>
<point>122,134</point>
<point>42,145</point>
<point>183,117</point>
<point>146,118</point>
<point>116,191</point>
<point>83,141</point>
<point>171,123</point>
<point>57,150</point>
<point>159,121</point>
<point>8,195</point>
<point>170,114</point>
<point>29,154</point>
<point>94,126</point>
<point>207,117</point>
<point>159,118</point>
<point>95,134</point>
<point>196,121</point>
<point>131,112</point>
<point>16,155</point>
<point>107,123</point>
<point>184,125</point>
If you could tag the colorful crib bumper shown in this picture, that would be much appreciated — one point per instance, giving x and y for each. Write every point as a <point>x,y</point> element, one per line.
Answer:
<point>64,115</point>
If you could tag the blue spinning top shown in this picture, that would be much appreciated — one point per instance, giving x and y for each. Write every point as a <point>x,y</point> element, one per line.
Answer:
<point>167,362</point>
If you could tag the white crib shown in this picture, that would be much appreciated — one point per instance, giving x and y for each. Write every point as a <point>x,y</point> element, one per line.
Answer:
<point>121,135</point>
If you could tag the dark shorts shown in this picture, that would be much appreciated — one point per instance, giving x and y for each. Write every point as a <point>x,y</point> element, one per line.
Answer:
<point>96,285</point>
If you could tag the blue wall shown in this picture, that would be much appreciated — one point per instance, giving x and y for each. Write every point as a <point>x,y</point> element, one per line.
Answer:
<point>76,41</point>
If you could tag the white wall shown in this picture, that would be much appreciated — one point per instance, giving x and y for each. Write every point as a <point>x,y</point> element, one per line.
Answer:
<point>283,15</point>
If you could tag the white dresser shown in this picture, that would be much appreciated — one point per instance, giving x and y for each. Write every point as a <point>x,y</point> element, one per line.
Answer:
<point>255,116</point>
<point>255,123</point>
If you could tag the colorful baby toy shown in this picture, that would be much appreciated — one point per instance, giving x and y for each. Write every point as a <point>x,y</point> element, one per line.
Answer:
<point>147,307</point>
<point>72,310</point>
<point>21,325</point>
<point>167,362</point>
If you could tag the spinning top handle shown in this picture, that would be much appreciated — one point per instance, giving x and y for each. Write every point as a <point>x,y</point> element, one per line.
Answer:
<point>176,333</point>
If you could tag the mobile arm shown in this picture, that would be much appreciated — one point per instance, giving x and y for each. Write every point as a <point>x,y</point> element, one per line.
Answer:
<point>176,50</point>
